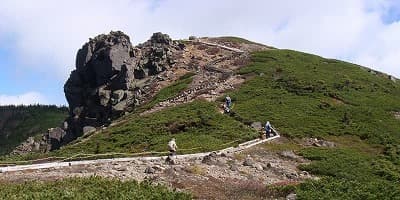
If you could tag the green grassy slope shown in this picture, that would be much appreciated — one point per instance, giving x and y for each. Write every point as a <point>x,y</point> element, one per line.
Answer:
<point>22,122</point>
<point>170,91</point>
<point>306,95</point>
<point>87,188</point>
<point>303,96</point>
<point>195,125</point>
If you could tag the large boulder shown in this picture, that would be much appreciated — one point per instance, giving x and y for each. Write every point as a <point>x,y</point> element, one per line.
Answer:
<point>103,85</point>
<point>155,55</point>
<point>103,65</point>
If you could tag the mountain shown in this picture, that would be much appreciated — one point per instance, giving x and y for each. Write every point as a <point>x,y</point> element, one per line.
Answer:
<point>339,122</point>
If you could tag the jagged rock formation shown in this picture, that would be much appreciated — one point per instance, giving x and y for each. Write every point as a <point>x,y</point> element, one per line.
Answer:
<point>108,80</point>
<point>104,84</point>
<point>49,141</point>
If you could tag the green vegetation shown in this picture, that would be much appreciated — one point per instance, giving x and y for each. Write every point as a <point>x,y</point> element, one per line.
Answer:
<point>170,91</point>
<point>17,123</point>
<point>348,174</point>
<point>238,40</point>
<point>87,188</point>
<point>305,95</point>
<point>196,126</point>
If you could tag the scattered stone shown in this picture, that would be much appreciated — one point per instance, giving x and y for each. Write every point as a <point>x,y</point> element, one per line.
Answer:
<point>210,159</point>
<point>304,173</point>
<point>291,175</point>
<point>121,168</point>
<point>397,115</point>
<point>248,162</point>
<point>170,160</point>
<point>258,166</point>
<point>158,168</point>
<point>291,196</point>
<point>290,155</point>
<point>234,167</point>
<point>256,125</point>
<point>149,170</point>
<point>319,143</point>
<point>88,129</point>
<point>178,168</point>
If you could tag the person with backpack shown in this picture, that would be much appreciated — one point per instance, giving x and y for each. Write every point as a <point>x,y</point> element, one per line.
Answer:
<point>268,129</point>
<point>228,101</point>
<point>172,147</point>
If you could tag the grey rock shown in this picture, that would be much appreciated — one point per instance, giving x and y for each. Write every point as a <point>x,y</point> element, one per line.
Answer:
<point>170,160</point>
<point>258,166</point>
<point>304,173</point>
<point>121,169</point>
<point>269,165</point>
<point>329,144</point>
<point>291,196</point>
<point>248,162</point>
<point>256,126</point>
<point>103,85</point>
<point>158,168</point>
<point>55,137</point>
<point>319,143</point>
<point>88,129</point>
<point>210,159</point>
<point>290,155</point>
<point>291,175</point>
<point>397,115</point>
<point>149,170</point>
<point>234,167</point>
<point>118,95</point>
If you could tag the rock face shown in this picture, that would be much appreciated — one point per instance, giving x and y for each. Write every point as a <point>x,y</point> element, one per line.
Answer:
<point>319,143</point>
<point>51,140</point>
<point>101,80</point>
<point>104,84</point>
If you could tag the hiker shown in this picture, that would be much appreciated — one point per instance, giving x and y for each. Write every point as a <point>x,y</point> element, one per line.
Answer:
<point>226,109</point>
<point>228,101</point>
<point>268,129</point>
<point>172,147</point>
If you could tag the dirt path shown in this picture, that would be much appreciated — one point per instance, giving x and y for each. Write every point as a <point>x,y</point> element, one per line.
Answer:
<point>50,165</point>
<point>226,175</point>
<point>206,85</point>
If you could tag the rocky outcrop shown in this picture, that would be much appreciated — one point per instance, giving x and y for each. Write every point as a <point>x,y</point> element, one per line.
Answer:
<point>99,84</point>
<point>50,141</point>
<point>104,84</point>
<point>318,143</point>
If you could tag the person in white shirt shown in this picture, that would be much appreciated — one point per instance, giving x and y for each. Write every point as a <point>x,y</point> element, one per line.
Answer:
<point>172,147</point>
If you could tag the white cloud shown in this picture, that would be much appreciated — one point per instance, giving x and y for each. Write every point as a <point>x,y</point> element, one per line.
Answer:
<point>23,99</point>
<point>48,33</point>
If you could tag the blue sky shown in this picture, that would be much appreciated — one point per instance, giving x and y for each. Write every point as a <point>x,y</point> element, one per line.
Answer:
<point>39,39</point>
